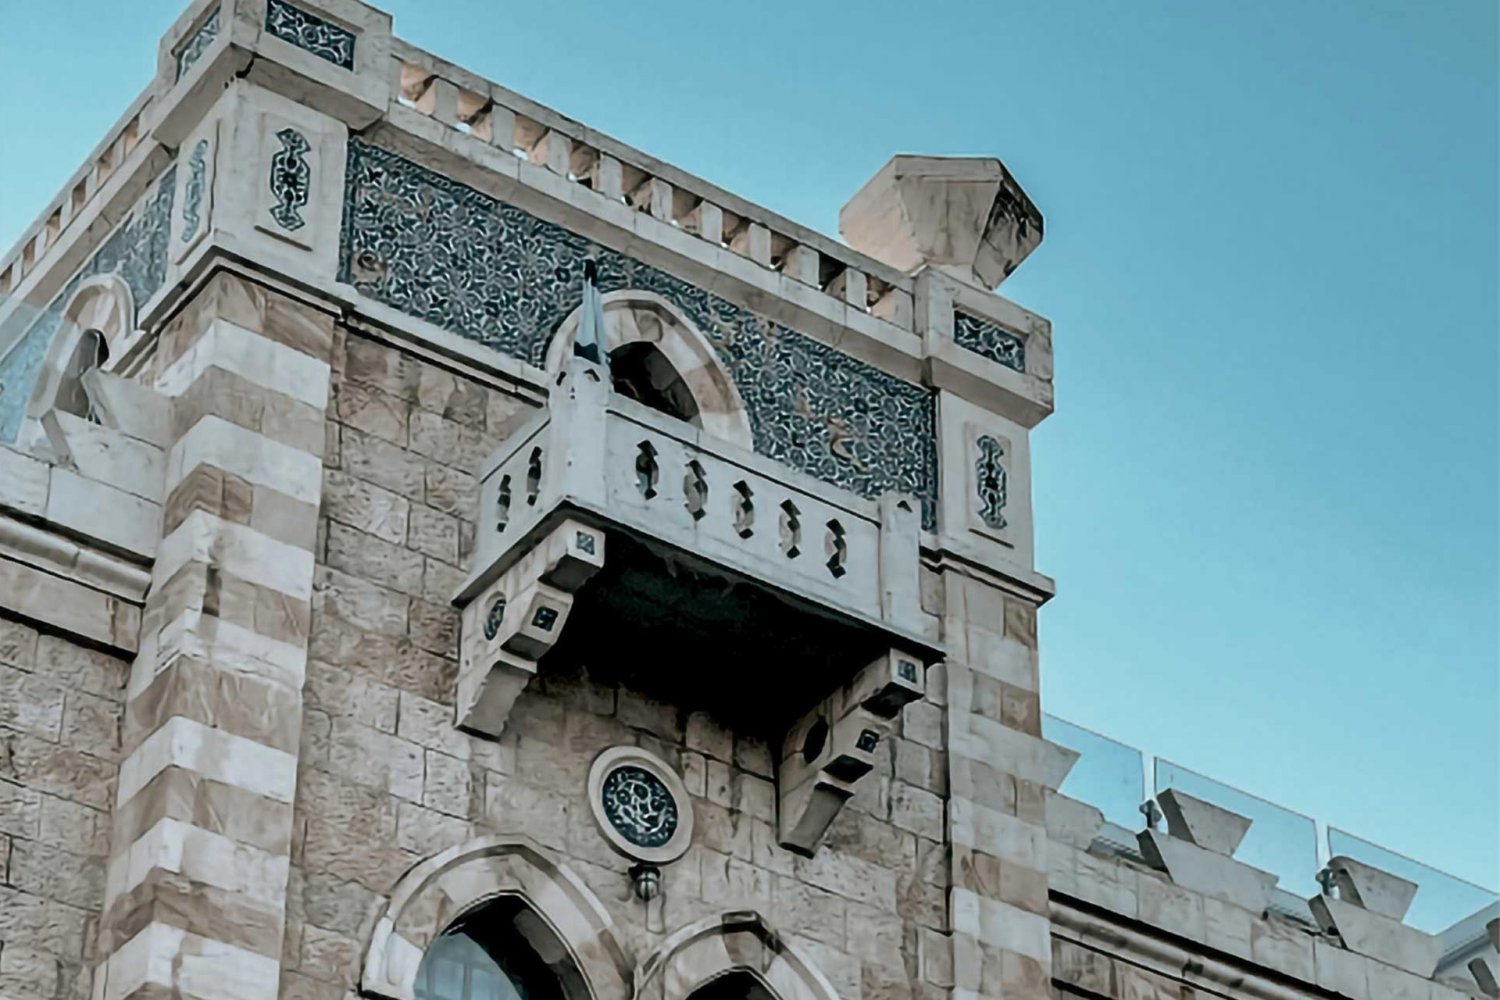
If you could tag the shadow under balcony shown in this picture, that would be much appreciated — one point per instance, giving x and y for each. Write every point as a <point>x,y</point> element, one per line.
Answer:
<point>686,567</point>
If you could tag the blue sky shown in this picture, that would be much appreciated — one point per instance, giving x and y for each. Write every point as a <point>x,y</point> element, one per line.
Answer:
<point>1269,492</point>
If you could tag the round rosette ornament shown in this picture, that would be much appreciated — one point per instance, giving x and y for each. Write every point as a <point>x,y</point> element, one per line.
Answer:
<point>641,806</point>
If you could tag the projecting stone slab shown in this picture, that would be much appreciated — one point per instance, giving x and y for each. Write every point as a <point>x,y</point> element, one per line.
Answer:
<point>1208,872</point>
<point>1377,936</point>
<point>1072,822</point>
<point>964,215</point>
<point>1376,890</point>
<point>1211,827</point>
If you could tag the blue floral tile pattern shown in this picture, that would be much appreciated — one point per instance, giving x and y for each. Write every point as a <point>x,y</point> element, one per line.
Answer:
<point>192,191</point>
<point>989,340</point>
<point>198,43</point>
<point>290,179</point>
<point>445,253</point>
<point>308,31</point>
<point>136,251</point>
<point>991,481</point>
<point>639,805</point>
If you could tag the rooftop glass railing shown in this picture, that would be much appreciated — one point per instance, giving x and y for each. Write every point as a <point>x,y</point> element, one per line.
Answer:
<point>1115,777</point>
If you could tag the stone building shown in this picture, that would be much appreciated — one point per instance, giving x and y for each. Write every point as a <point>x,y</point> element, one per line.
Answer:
<point>447,553</point>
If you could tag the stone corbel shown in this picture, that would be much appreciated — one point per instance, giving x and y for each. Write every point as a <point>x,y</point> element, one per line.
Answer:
<point>1197,852</point>
<point>514,621</point>
<point>833,746</point>
<point>1367,916</point>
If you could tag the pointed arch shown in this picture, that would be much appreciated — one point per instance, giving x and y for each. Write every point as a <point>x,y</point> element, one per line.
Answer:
<point>732,943</point>
<point>436,893</point>
<point>666,336</point>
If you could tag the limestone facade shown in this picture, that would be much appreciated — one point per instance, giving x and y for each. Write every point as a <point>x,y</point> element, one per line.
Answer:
<point>330,574</point>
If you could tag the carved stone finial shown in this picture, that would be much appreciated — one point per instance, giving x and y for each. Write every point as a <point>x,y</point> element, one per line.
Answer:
<point>964,215</point>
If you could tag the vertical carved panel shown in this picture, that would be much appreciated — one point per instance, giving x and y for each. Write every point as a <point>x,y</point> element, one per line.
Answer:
<point>991,481</point>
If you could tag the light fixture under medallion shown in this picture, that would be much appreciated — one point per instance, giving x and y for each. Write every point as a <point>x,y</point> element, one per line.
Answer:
<point>643,810</point>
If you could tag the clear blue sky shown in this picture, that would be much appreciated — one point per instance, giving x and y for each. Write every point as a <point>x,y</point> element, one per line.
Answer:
<point>1269,492</point>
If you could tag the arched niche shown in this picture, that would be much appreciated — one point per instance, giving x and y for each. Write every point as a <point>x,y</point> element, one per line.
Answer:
<point>729,957</point>
<point>654,347</point>
<point>96,321</point>
<point>507,879</point>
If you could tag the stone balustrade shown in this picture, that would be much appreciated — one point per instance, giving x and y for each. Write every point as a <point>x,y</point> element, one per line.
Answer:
<point>600,164</point>
<point>611,461</point>
<point>78,194</point>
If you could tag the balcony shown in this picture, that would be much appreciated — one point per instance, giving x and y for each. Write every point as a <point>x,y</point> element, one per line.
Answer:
<point>700,574</point>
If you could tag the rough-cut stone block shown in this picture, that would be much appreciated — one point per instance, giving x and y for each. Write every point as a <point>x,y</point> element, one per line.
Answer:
<point>1369,887</point>
<point>1211,827</point>
<point>1377,936</point>
<point>1207,872</point>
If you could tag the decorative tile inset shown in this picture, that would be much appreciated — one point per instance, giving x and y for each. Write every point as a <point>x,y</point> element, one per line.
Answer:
<point>445,253</point>
<point>198,43</point>
<point>990,481</point>
<point>290,179</point>
<point>989,340</point>
<point>638,805</point>
<point>192,192</point>
<point>136,251</point>
<point>308,31</point>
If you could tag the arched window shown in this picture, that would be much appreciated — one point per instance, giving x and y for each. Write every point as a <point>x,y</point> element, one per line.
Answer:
<point>496,918</point>
<point>736,985</point>
<point>642,372</point>
<point>733,956</point>
<point>503,951</point>
<point>89,353</point>
<point>658,357</point>
<point>96,324</point>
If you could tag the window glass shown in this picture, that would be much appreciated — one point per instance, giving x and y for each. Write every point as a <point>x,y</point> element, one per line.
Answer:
<point>496,954</point>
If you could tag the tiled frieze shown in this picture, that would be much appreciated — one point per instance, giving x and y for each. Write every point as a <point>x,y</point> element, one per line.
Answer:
<point>197,881</point>
<point>136,251</point>
<point>989,340</point>
<point>198,43</point>
<point>305,30</point>
<point>448,254</point>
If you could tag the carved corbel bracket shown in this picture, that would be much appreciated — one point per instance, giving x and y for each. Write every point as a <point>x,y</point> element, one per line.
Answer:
<point>514,621</point>
<point>833,746</point>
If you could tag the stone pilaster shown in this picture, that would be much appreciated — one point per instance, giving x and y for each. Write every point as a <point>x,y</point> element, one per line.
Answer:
<point>1000,770</point>
<point>196,894</point>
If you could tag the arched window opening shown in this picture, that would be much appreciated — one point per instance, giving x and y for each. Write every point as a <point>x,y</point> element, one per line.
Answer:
<point>642,372</point>
<point>503,951</point>
<point>735,985</point>
<point>89,353</point>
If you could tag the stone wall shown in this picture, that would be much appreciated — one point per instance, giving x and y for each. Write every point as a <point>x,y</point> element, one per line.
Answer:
<point>385,779</point>
<point>60,711</point>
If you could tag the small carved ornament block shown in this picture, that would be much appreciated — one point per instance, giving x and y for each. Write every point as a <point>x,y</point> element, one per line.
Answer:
<point>517,619</point>
<point>833,746</point>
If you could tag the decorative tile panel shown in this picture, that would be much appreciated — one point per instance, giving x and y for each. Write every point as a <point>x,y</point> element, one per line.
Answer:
<point>991,481</point>
<point>198,43</point>
<point>308,31</point>
<point>989,340</point>
<point>445,253</point>
<point>136,251</point>
<point>192,200</point>
<point>290,178</point>
<point>638,804</point>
